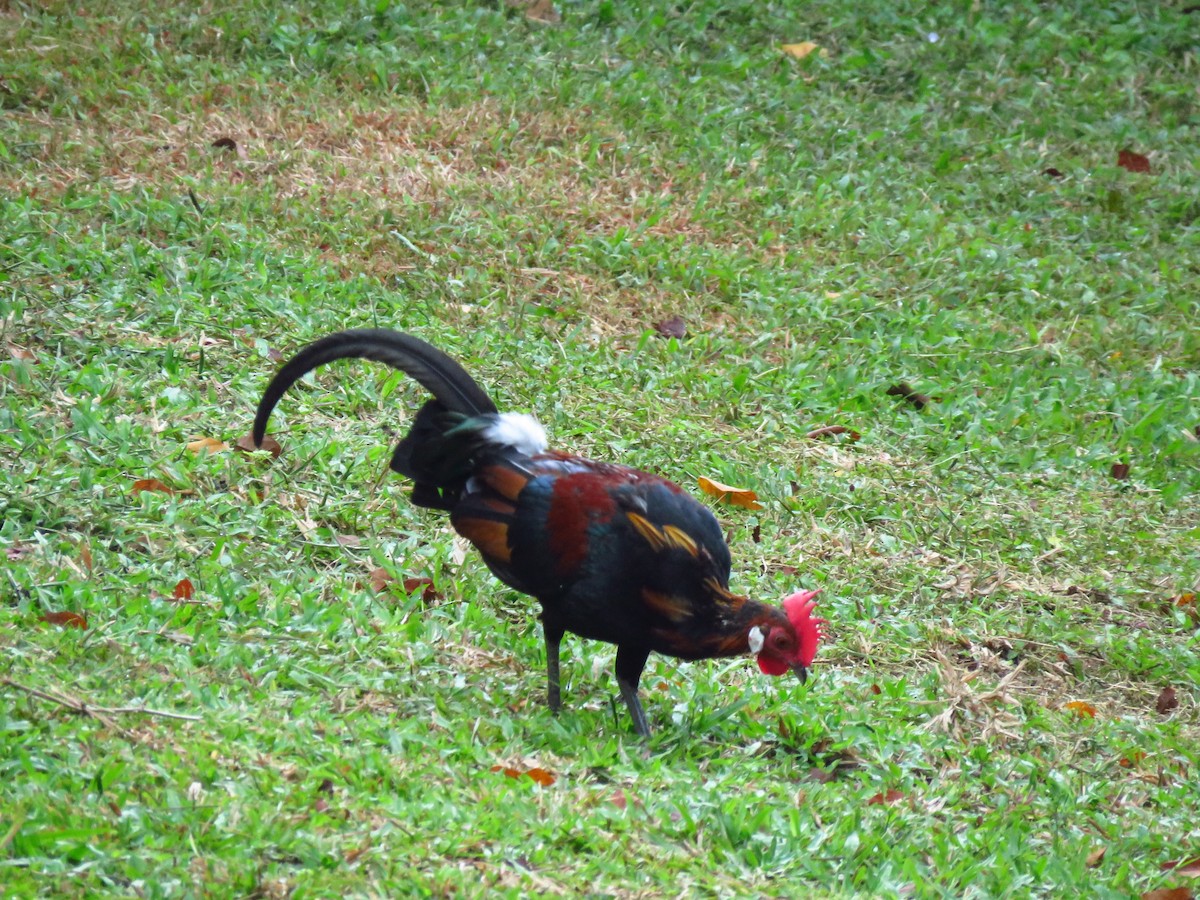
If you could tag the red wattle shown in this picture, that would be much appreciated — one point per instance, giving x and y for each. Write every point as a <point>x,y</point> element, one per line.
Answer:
<point>772,665</point>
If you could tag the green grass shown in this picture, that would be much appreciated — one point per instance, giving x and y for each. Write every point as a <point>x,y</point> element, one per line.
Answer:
<point>533,199</point>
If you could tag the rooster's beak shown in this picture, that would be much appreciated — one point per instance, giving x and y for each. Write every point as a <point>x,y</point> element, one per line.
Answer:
<point>801,673</point>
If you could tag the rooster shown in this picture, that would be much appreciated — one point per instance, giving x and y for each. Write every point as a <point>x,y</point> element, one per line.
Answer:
<point>610,552</point>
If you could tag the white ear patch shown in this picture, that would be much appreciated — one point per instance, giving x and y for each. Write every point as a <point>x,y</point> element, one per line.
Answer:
<point>518,430</point>
<point>757,639</point>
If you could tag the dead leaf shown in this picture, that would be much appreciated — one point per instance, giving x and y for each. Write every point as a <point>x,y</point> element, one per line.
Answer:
<point>17,550</point>
<point>1188,599</point>
<point>1132,760</point>
<point>207,445</point>
<point>673,327</point>
<point>85,555</point>
<point>427,594</point>
<point>618,799</point>
<point>151,484</point>
<point>536,773</point>
<point>742,497</point>
<point>353,541</point>
<point>803,49</point>
<point>1175,893</point>
<point>1119,471</point>
<point>828,430</point>
<point>542,11</point>
<point>1187,867</point>
<point>22,353</point>
<point>65,619</point>
<point>904,389</point>
<point>1167,701</point>
<point>1082,709</point>
<point>891,798</point>
<point>1094,858</point>
<point>1133,162</point>
<point>380,579</point>
<point>184,590</point>
<point>246,445</point>
<point>228,143</point>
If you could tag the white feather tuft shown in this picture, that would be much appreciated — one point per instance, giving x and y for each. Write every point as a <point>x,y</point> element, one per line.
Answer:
<point>518,430</point>
<point>757,639</point>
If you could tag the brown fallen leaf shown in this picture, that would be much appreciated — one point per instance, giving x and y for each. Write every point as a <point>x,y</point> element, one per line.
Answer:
<point>536,773</point>
<point>673,327</point>
<point>1167,701</point>
<point>1119,471</point>
<point>890,798</point>
<point>428,592</point>
<point>828,430</point>
<point>64,619</point>
<point>380,578</point>
<point>22,353</point>
<point>1132,760</point>
<point>206,445</point>
<point>1175,893</point>
<point>1131,161</point>
<point>542,11</point>
<point>353,541</point>
<point>803,49</point>
<point>1188,867</point>
<point>151,484</point>
<point>1082,709</point>
<point>904,390</point>
<point>184,590</point>
<point>17,550</point>
<point>85,555</point>
<point>246,445</point>
<point>1095,857</point>
<point>742,497</point>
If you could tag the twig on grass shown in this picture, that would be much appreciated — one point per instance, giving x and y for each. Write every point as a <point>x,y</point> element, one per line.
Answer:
<point>100,713</point>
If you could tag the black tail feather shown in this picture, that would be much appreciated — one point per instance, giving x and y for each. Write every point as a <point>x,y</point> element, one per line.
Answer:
<point>454,389</point>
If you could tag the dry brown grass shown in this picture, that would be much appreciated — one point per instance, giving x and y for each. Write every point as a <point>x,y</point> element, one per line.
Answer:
<point>356,163</point>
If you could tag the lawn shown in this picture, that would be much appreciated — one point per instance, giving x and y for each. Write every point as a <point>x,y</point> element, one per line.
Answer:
<point>968,233</point>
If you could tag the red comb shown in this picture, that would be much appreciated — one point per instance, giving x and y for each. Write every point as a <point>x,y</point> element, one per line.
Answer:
<point>810,631</point>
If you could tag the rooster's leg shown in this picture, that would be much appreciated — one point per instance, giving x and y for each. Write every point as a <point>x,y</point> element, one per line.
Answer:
<point>554,636</point>
<point>630,662</point>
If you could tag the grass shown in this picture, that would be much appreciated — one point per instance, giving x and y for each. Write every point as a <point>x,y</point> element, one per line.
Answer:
<point>534,198</point>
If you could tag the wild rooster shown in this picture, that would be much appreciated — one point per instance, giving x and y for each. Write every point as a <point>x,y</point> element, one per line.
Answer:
<point>610,553</point>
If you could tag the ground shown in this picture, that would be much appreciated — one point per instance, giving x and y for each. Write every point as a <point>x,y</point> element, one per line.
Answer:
<point>967,235</point>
